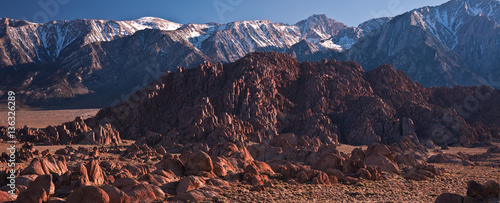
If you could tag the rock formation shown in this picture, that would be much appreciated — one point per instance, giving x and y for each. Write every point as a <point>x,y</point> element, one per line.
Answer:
<point>265,96</point>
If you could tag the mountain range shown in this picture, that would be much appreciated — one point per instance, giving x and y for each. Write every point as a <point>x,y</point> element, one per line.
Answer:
<point>94,62</point>
<point>452,44</point>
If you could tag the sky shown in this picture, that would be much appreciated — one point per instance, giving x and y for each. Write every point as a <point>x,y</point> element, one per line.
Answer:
<point>350,12</point>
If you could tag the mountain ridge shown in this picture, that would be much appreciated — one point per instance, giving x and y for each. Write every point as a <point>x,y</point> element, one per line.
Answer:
<point>93,54</point>
<point>462,39</point>
<point>431,44</point>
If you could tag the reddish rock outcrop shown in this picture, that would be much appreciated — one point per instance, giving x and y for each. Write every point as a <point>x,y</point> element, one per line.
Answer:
<point>5,197</point>
<point>190,183</point>
<point>38,191</point>
<point>74,132</point>
<point>88,194</point>
<point>115,194</point>
<point>46,165</point>
<point>95,173</point>
<point>198,163</point>
<point>273,96</point>
<point>476,192</point>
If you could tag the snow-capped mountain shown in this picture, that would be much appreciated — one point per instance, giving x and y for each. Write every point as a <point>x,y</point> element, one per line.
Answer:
<point>452,44</point>
<point>27,42</point>
<point>63,59</point>
<point>455,43</point>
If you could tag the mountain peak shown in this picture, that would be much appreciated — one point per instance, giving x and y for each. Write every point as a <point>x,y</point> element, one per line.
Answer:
<point>490,8</point>
<point>319,27</point>
<point>149,18</point>
<point>318,16</point>
<point>265,21</point>
<point>13,22</point>
<point>157,23</point>
<point>374,24</point>
<point>154,20</point>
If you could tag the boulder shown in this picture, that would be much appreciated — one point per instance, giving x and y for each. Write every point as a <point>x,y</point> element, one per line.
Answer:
<point>429,144</point>
<point>190,183</point>
<point>172,163</point>
<point>491,189</point>
<point>329,161</point>
<point>95,173</point>
<point>82,175</point>
<point>468,163</point>
<point>383,162</point>
<point>449,198</point>
<point>283,140</point>
<point>144,192</point>
<point>38,191</point>
<point>494,150</point>
<point>115,194</point>
<point>440,134</point>
<point>86,194</point>
<point>263,168</point>
<point>199,161</point>
<point>476,190</point>
<point>231,150</point>
<point>46,165</point>
<point>363,173</point>
<point>198,195</point>
<point>138,190</point>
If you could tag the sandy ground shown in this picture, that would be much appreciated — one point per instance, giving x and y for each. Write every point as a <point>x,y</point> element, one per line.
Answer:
<point>53,148</point>
<point>40,118</point>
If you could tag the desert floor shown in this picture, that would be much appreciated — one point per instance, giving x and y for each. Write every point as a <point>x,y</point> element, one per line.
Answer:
<point>41,118</point>
<point>395,189</point>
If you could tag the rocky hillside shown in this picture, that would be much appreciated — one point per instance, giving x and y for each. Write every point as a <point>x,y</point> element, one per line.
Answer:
<point>264,95</point>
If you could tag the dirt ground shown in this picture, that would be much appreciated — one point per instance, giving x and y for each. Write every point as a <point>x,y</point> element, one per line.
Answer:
<point>396,189</point>
<point>41,118</point>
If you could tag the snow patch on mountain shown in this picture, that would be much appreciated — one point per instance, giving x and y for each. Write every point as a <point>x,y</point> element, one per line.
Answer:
<point>328,44</point>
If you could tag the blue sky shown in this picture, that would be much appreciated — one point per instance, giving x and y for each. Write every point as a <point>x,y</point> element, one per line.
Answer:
<point>350,12</point>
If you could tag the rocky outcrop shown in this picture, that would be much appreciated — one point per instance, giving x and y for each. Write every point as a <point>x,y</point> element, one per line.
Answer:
<point>254,100</point>
<point>116,195</point>
<point>46,166</point>
<point>38,191</point>
<point>476,192</point>
<point>74,132</point>
<point>88,194</point>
